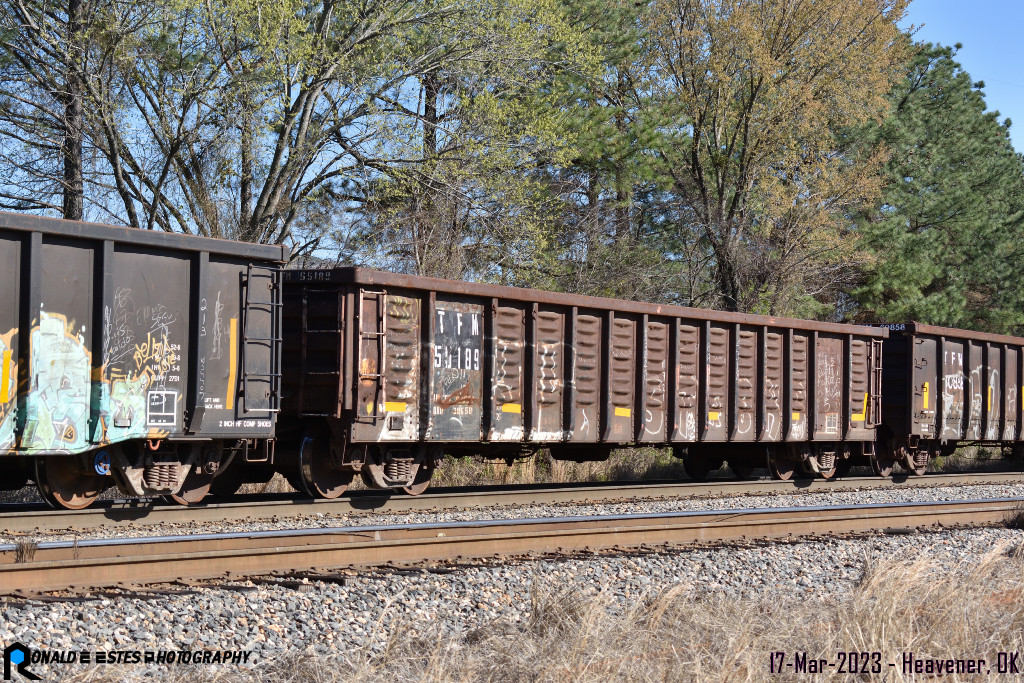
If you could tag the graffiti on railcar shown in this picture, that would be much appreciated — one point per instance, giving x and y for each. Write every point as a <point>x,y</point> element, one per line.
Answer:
<point>952,392</point>
<point>456,389</point>
<point>509,345</point>
<point>64,397</point>
<point>992,407</point>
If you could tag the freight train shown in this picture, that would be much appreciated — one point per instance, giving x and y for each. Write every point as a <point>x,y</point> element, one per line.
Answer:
<point>172,365</point>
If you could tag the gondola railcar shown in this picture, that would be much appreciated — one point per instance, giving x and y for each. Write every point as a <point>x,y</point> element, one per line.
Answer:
<point>384,373</point>
<point>134,357</point>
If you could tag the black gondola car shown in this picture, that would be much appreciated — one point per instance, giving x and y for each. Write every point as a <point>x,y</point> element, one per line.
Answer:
<point>148,357</point>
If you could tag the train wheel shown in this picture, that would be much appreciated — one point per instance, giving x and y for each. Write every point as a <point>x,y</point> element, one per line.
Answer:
<point>696,466</point>
<point>317,476</point>
<point>882,462</point>
<point>780,466</point>
<point>917,462</point>
<point>63,484</point>
<point>194,489</point>
<point>420,482</point>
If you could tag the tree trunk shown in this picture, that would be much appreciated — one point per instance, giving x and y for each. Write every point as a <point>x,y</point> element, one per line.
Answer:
<point>245,227</point>
<point>431,88</point>
<point>71,149</point>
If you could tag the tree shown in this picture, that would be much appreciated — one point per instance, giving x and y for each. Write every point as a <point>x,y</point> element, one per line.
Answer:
<point>945,236</point>
<point>749,95</point>
<point>43,58</point>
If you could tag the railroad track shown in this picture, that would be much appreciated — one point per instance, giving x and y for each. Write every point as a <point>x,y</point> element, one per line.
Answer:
<point>62,565</point>
<point>28,518</point>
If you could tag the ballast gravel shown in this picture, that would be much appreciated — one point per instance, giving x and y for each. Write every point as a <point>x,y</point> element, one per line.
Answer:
<point>332,618</point>
<point>536,511</point>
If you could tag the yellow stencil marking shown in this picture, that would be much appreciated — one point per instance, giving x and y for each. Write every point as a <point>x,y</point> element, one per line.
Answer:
<point>859,417</point>
<point>5,378</point>
<point>229,402</point>
<point>369,408</point>
<point>394,407</point>
<point>713,415</point>
<point>623,412</point>
<point>796,416</point>
<point>924,391</point>
<point>512,408</point>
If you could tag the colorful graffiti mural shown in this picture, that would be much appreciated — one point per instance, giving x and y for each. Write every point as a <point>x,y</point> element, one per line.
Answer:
<point>67,409</point>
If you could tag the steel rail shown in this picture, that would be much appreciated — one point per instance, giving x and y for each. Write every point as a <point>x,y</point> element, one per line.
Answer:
<point>62,565</point>
<point>130,513</point>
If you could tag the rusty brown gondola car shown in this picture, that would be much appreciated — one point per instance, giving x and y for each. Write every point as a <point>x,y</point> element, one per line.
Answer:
<point>134,357</point>
<point>946,387</point>
<point>384,373</point>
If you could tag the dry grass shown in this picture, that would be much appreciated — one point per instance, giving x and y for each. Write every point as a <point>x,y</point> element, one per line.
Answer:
<point>914,606</point>
<point>625,464</point>
<point>975,458</point>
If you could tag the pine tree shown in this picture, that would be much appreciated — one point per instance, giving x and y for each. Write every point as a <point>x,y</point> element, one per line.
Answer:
<point>946,235</point>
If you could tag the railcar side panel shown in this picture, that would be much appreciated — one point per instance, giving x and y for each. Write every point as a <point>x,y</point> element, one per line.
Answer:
<point>654,417</point>
<point>976,388</point>
<point>799,385</point>
<point>402,363</point>
<point>687,380</point>
<point>509,357</point>
<point>953,390</point>
<point>10,340</point>
<point>860,406</point>
<point>924,387</point>
<point>745,387</point>
<point>314,353</point>
<point>774,368</point>
<point>548,376</point>
<point>585,410</point>
<point>621,379</point>
<point>718,382</point>
<point>456,380</point>
<point>1011,391</point>
<point>828,387</point>
<point>993,391</point>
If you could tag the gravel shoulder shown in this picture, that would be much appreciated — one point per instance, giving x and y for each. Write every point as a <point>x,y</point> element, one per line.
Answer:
<point>364,613</point>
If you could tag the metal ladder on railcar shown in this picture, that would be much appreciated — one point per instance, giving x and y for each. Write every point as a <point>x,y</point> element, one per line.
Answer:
<point>379,335</point>
<point>875,386</point>
<point>270,307</point>
<point>336,331</point>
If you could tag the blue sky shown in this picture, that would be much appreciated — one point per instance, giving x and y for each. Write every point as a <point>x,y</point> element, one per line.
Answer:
<point>991,33</point>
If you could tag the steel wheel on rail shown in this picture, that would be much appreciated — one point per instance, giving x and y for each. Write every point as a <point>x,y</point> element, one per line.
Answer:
<point>843,467</point>
<point>780,464</point>
<point>696,465</point>
<point>885,455</point>
<point>420,482</point>
<point>317,476</point>
<point>881,464</point>
<point>64,483</point>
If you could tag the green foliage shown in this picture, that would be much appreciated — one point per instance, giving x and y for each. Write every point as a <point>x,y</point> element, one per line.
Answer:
<point>945,238</point>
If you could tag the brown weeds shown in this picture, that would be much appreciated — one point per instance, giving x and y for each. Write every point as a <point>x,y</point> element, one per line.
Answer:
<point>686,634</point>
